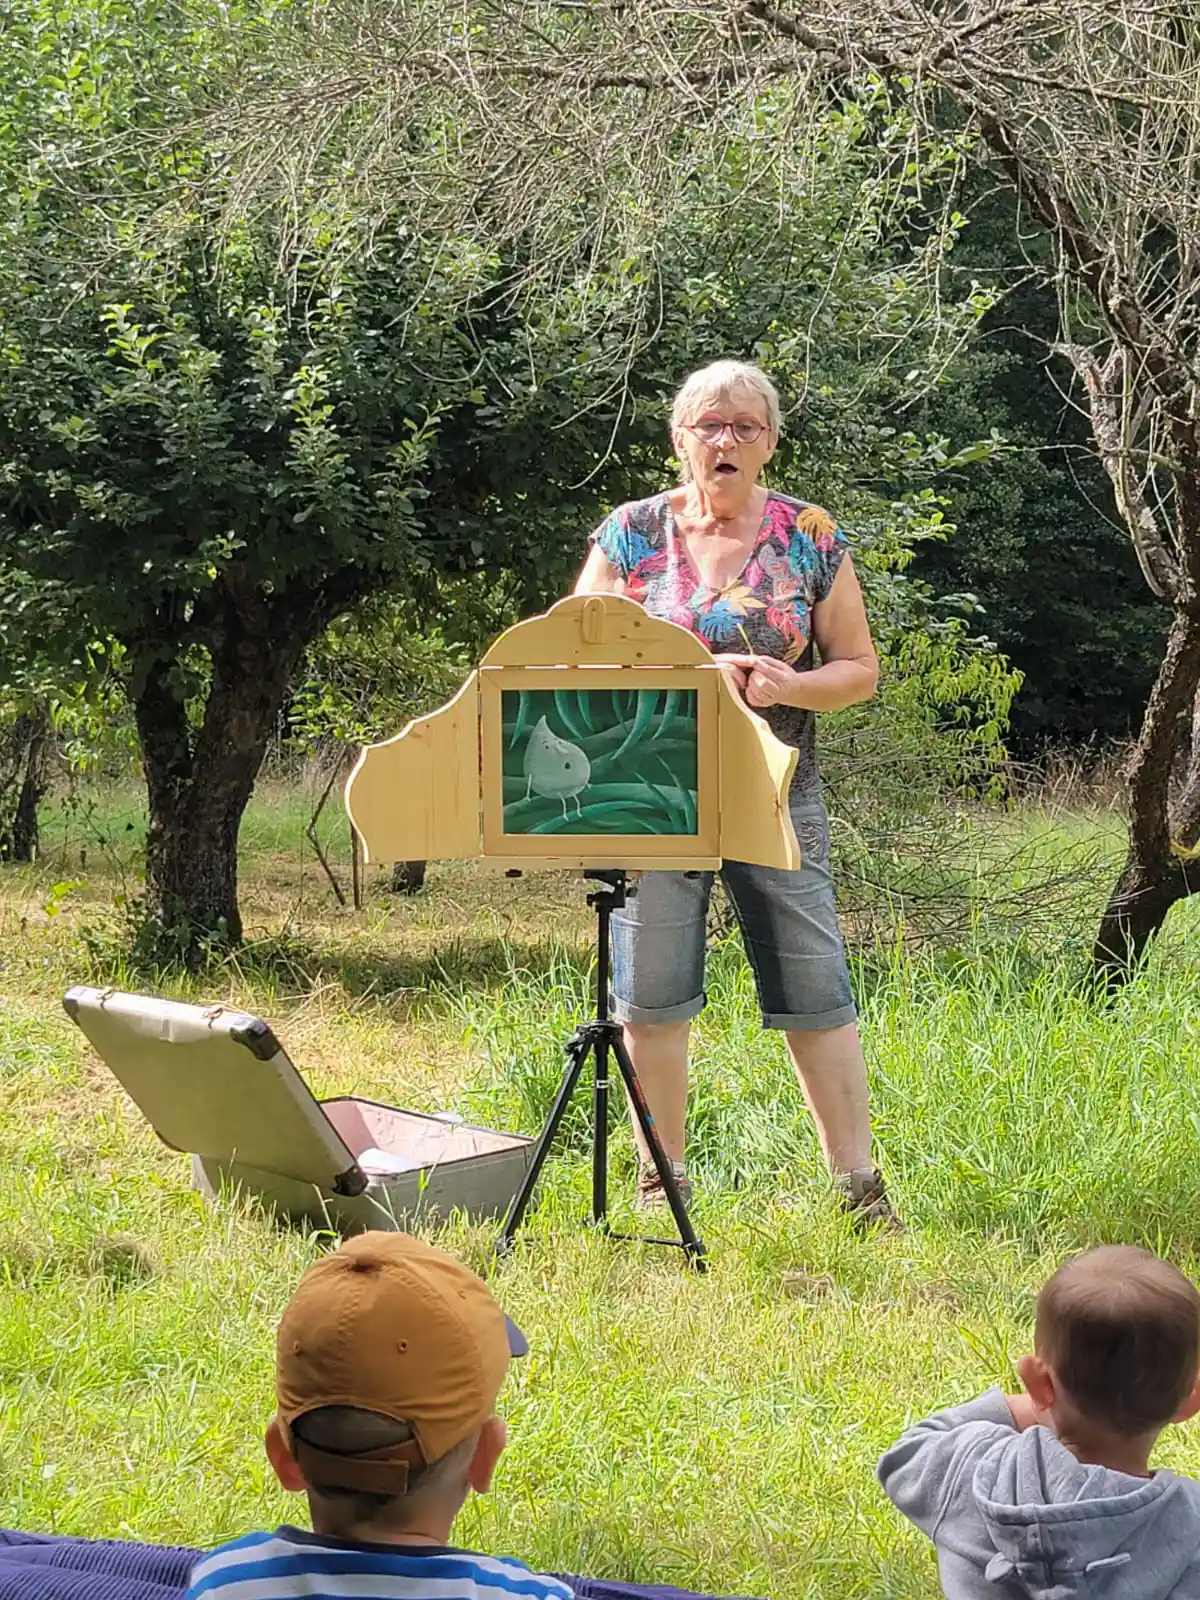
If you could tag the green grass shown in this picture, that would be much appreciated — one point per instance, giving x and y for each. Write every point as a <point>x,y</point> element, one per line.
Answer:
<point>719,1433</point>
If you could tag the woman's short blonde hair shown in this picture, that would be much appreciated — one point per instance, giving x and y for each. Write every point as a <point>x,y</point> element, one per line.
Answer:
<point>719,381</point>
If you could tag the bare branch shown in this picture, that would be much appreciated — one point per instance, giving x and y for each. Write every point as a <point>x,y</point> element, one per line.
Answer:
<point>522,123</point>
<point>1108,395</point>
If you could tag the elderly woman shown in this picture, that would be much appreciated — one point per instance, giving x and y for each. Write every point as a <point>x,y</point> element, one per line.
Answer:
<point>761,578</point>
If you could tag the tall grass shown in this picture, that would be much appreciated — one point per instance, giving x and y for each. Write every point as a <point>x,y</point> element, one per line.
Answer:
<point>716,1432</point>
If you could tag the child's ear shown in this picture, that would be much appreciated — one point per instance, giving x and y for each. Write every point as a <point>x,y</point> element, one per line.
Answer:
<point>492,1438</point>
<point>283,1462</point>
<point>1039,1382</point>
<point>1190,1406</point>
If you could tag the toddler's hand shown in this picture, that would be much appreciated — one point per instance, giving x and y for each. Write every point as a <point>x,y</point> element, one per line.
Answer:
<point>1023,1414</point>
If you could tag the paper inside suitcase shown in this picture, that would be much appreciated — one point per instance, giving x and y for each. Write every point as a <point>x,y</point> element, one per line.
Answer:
<point>216,1083</point>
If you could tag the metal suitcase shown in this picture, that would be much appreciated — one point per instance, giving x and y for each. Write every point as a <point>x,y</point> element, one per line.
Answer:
<point>217,1084</point>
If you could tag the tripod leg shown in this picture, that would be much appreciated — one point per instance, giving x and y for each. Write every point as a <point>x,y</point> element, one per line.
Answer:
<point>576,1051</point>
<point>693,1246</point>
<point>600,1134</point>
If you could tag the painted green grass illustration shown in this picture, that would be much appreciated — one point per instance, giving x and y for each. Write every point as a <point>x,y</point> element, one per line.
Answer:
<point>599,760</point>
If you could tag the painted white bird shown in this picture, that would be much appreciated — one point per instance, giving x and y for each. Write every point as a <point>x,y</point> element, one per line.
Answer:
<point>555,768</point>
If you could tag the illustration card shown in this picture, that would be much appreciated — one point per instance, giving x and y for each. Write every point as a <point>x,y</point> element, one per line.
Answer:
<point>600,761</point>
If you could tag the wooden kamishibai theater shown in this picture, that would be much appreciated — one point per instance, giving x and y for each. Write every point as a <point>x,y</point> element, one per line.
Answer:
<point>594,736</point>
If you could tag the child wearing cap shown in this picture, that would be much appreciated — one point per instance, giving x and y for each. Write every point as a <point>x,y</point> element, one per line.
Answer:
<point>1048,1494</point>
<point>389,1359</point>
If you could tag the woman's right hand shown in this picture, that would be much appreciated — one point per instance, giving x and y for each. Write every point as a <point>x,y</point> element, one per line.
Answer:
<point>737,673</point>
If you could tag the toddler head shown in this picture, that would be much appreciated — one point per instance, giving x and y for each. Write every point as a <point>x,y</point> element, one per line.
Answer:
<point>1118,1340</point>
<point>389,1359</point>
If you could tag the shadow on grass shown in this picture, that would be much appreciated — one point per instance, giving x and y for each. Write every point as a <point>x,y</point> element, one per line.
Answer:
<point>401,980</point>
<point>483,962</point>
<point>113,1262</point>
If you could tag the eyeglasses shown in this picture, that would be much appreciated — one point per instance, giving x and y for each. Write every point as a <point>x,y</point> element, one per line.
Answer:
<point>712,429</point>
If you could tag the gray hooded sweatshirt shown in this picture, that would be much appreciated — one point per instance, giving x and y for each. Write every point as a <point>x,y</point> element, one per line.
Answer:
<point>1014,1516</point>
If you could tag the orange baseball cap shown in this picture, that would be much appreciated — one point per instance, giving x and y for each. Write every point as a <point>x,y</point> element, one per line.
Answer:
<point>391,1325</point>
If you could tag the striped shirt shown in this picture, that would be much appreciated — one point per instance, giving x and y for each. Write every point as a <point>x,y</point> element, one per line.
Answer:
<point>292,1565</point>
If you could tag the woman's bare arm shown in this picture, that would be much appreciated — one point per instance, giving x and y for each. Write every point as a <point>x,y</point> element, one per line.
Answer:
<point>599,576</point>
<point>843,636</point>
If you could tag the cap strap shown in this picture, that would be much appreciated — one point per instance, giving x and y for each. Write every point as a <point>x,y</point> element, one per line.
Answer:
<point>384,1471</point>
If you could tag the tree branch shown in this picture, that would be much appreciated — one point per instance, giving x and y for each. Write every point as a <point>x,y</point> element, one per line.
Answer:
<point>1185,816</point>
<point>1107,394</point>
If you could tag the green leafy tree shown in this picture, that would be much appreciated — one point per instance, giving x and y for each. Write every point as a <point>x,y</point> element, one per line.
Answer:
<point>1088,110</point>
<point>207,454</point>
<point>210,473</point>
<point>216,443</point>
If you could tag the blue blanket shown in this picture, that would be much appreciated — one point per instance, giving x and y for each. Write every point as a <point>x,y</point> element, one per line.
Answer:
<point>37,1566</point>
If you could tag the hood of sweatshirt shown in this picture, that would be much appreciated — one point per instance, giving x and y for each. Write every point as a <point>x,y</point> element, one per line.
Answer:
<point>1062,1529</point>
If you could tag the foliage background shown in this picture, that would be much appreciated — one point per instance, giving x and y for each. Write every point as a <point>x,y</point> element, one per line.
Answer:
<point>215,430</point>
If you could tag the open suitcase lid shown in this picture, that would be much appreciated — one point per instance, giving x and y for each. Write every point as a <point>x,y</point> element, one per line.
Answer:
<point>215,1083</point>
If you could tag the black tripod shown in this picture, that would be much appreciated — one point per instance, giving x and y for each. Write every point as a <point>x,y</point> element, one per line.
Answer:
<point>602,1036</point>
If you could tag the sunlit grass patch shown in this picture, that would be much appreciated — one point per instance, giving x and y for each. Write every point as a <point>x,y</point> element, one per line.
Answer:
<point>716,1432</point>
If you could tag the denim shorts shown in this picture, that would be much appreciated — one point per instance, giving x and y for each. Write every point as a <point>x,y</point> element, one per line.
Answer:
<point>789,926</point>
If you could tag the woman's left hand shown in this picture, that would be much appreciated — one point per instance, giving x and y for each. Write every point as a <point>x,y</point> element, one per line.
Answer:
<point>767,682</point>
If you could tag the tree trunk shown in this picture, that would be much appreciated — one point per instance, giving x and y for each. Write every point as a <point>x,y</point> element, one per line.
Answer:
<point>408,877</point>
<point>1135,912</point>
<point>24,838</point>
<point>1157,872</point>
<point>198,783</point>
<point>24,775</point>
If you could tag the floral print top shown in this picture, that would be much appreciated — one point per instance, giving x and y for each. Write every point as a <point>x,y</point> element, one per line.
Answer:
<point>767,611</point>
